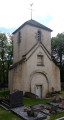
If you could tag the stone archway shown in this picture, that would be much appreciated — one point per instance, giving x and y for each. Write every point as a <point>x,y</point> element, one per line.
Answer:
<point>40,80</point>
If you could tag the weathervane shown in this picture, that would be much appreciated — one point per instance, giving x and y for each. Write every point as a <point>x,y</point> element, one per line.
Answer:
<point>31,9</point>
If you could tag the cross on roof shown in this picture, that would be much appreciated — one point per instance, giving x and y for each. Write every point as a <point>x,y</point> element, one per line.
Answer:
<point>31,9</point>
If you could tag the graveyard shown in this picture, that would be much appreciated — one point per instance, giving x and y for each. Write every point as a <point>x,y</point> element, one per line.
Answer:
<point>32,109</point>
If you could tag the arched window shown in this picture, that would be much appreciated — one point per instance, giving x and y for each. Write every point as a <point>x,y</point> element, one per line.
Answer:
<point>19,37</point>
<point>39,36</point>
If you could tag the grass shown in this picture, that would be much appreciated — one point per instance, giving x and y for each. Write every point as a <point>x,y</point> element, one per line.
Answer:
<point>7,115</point>
<point>62,94</point>
<point>53,117</point>
<point>30,101</point>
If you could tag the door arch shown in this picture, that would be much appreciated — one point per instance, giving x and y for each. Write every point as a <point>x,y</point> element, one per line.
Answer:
<point>39,79</point>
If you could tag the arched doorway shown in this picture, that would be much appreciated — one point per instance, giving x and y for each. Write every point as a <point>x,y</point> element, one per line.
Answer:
<point>39,84</point>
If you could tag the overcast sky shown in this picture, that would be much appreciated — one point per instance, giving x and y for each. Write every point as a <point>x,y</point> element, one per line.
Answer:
<point>14,13</point>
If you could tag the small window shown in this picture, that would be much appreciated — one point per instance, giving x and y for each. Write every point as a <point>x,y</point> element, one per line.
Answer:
<point>39,36</point>
<point>40,60</point>
<point>19,37</point>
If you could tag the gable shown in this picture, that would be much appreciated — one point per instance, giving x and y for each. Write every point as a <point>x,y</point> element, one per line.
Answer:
<point>26,56</point>
<point>35,48</point>
<point>38,60</point>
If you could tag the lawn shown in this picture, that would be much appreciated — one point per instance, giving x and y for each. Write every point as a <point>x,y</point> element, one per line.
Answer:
<point>7,115</point>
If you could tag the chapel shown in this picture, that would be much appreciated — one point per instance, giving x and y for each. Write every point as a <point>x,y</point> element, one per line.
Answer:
<point>33,69</point>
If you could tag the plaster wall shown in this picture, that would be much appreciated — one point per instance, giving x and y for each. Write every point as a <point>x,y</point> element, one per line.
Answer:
<point>29,74</point>
<point>28,40</point>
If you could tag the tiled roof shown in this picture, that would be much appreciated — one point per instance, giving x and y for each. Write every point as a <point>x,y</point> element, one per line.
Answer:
<point>33,23</point>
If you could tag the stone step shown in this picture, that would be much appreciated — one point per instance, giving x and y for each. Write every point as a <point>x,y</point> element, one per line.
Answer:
<point>4,107</point>
<point>5,101</point>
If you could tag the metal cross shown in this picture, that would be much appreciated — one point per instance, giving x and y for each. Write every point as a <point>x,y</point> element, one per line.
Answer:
<point>31,9</point>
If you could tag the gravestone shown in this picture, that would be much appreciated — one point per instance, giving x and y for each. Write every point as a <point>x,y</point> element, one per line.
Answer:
<point>21,112</point>
<point>16,99</point>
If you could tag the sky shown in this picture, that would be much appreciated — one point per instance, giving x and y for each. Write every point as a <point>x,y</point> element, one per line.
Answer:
<point>13,13</point>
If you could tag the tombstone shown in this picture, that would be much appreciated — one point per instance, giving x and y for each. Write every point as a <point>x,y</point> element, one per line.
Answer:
<point>22,112</point>
<point>16,99</point>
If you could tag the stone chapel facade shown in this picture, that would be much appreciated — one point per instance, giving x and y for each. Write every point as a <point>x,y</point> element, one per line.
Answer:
<point>33,69</point>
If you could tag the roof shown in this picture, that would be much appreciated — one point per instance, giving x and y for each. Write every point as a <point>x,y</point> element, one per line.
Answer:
<point>33,23</point>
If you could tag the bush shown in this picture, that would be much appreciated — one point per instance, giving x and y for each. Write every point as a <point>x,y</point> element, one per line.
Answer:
<point>2,86</point>
<point>4,93</point>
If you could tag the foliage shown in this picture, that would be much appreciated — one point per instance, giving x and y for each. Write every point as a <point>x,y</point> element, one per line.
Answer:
<point>4,93</point>
<point>58,51</point>
<point>2,54</point>
<point>6,56</point>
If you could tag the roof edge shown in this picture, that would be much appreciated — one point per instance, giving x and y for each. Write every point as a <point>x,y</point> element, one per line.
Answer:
<point>31,22</point>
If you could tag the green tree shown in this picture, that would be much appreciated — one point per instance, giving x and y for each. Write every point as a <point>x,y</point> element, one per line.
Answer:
<point>3,39</point>
<point>9,59</point>
<point>58,51</point>
<point>6,56</point>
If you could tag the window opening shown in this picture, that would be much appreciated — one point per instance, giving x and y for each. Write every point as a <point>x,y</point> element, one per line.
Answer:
<point>19,37</point>
<point>39,35</point>
<point>40,60</point>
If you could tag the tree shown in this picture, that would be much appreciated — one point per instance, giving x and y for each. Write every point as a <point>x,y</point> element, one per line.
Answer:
<point>58,51</point>
<point>9,59</point>
<point>6,56</point>
<point>3,39</point>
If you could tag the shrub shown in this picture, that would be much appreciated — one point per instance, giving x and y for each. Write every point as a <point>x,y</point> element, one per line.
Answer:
<point>4,93</point>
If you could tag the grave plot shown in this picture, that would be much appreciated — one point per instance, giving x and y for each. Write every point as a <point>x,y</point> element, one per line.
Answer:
<point>16,106</point>
<point>27,114</point>
<point>44,108</point>
<point>35,112</point>
<point>56,108</point>
<point>48,109</point>
<point>60,102</point>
